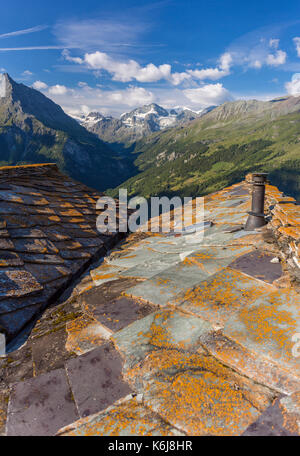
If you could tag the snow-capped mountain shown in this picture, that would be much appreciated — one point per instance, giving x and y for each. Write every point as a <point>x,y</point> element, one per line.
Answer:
<point>138,123</point>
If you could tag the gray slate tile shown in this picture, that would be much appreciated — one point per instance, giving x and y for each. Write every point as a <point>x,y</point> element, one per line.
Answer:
<point>258,264</point>
<point>41,406</point>
<point>96,379</point>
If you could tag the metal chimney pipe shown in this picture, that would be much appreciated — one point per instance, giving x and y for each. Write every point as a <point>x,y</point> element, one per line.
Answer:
<point>256,217</point>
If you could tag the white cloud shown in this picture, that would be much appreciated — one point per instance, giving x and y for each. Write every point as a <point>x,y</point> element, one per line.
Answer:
<point>132,96</point>
<point>293,86</point>
<point>66,54</point>
<point>214,73</point>
<point>27,73</point>
<point>131,70</point>
<point>207,95</point>
<point>39,85</point>
<point>258,48</point>
<point>279,58</point>
<point>297,44</point>
<point>58,90</point>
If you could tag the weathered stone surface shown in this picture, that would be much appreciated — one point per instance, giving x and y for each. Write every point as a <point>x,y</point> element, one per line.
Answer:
<point>14,321</point>
<point>40,406</point>
<point>4,397</point>
<point>74,254</point>
<point>199,395</point>
<point>10,259</point>
<point>48,352</point>
<point>259,368</point>
<point>41,258</point>
<point>47,273</point>
<point>85,334</point>
<point>164,329</point>
<point>165,362</point>
<point>267,326</point>
<point>129,418</point>
<point>41,222</point>
<point>56,318</point>
<point>16,367</point>
<point>17,283</point>
<point>290,409</point>
<point>107,292</point>
<point>258,264</point>
<point>221,295</point>
<point>273,422</point>
<point>6,244</point>
<point>27,233</point>
<point>35,245</point>
<point>106,273</point>
<point>96,379</point>
<point>119,313</point>
<point>210,362</point>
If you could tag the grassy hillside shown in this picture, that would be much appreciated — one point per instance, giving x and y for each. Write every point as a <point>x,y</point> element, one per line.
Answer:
<point>220,149</point>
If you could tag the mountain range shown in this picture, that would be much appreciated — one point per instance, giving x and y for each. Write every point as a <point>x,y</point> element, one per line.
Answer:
<point>152,150</point>
<point>33,129</point>
<point>137,124</point>
<point>219,148</point>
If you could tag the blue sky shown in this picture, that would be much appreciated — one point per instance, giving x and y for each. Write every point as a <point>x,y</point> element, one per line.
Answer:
<point>113,56</point>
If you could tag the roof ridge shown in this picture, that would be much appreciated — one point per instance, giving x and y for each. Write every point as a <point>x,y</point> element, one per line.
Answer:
<point>21,170</point>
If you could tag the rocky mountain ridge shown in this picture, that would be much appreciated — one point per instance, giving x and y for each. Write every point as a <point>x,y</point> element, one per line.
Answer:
<point>33,129</point>
<point>139,123</point>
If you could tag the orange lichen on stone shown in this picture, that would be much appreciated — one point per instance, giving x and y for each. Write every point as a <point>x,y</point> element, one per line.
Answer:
<point>84,334</point>
<point>129,418</point>
<point>290,409</point>
<point>221,295</point>
<point>198,395</point>
<point>270,320</point>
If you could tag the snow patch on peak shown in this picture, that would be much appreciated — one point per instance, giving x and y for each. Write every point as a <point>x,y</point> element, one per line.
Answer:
<point>2,86</point>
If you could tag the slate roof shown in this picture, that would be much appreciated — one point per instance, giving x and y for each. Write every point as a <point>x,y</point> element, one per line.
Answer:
<point>171,335</point>
<point>47,236</point>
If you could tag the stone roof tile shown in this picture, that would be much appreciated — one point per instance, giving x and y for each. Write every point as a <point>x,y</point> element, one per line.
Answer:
<point>40,218</point>
<point>188,334</point>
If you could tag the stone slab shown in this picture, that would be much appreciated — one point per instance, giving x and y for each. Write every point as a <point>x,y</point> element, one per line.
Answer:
<point>17,283</point>
<point>267,326</point>
<point>221,295</point>
<point>258,264</point>
<point>120,312</point>
<point>40,406</point>
<point>272,422</point>
<point>129,418</point>
<point>96,379</point>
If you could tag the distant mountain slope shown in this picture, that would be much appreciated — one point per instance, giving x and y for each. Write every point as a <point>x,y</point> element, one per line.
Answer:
<point>139,123</point>
<point>220,148</point>
<point>33,129</point>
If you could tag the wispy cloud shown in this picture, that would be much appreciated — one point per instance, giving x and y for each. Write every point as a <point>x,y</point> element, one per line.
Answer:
<point>38,28</point>
<point>31,48</point>
<point>105,34</point>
